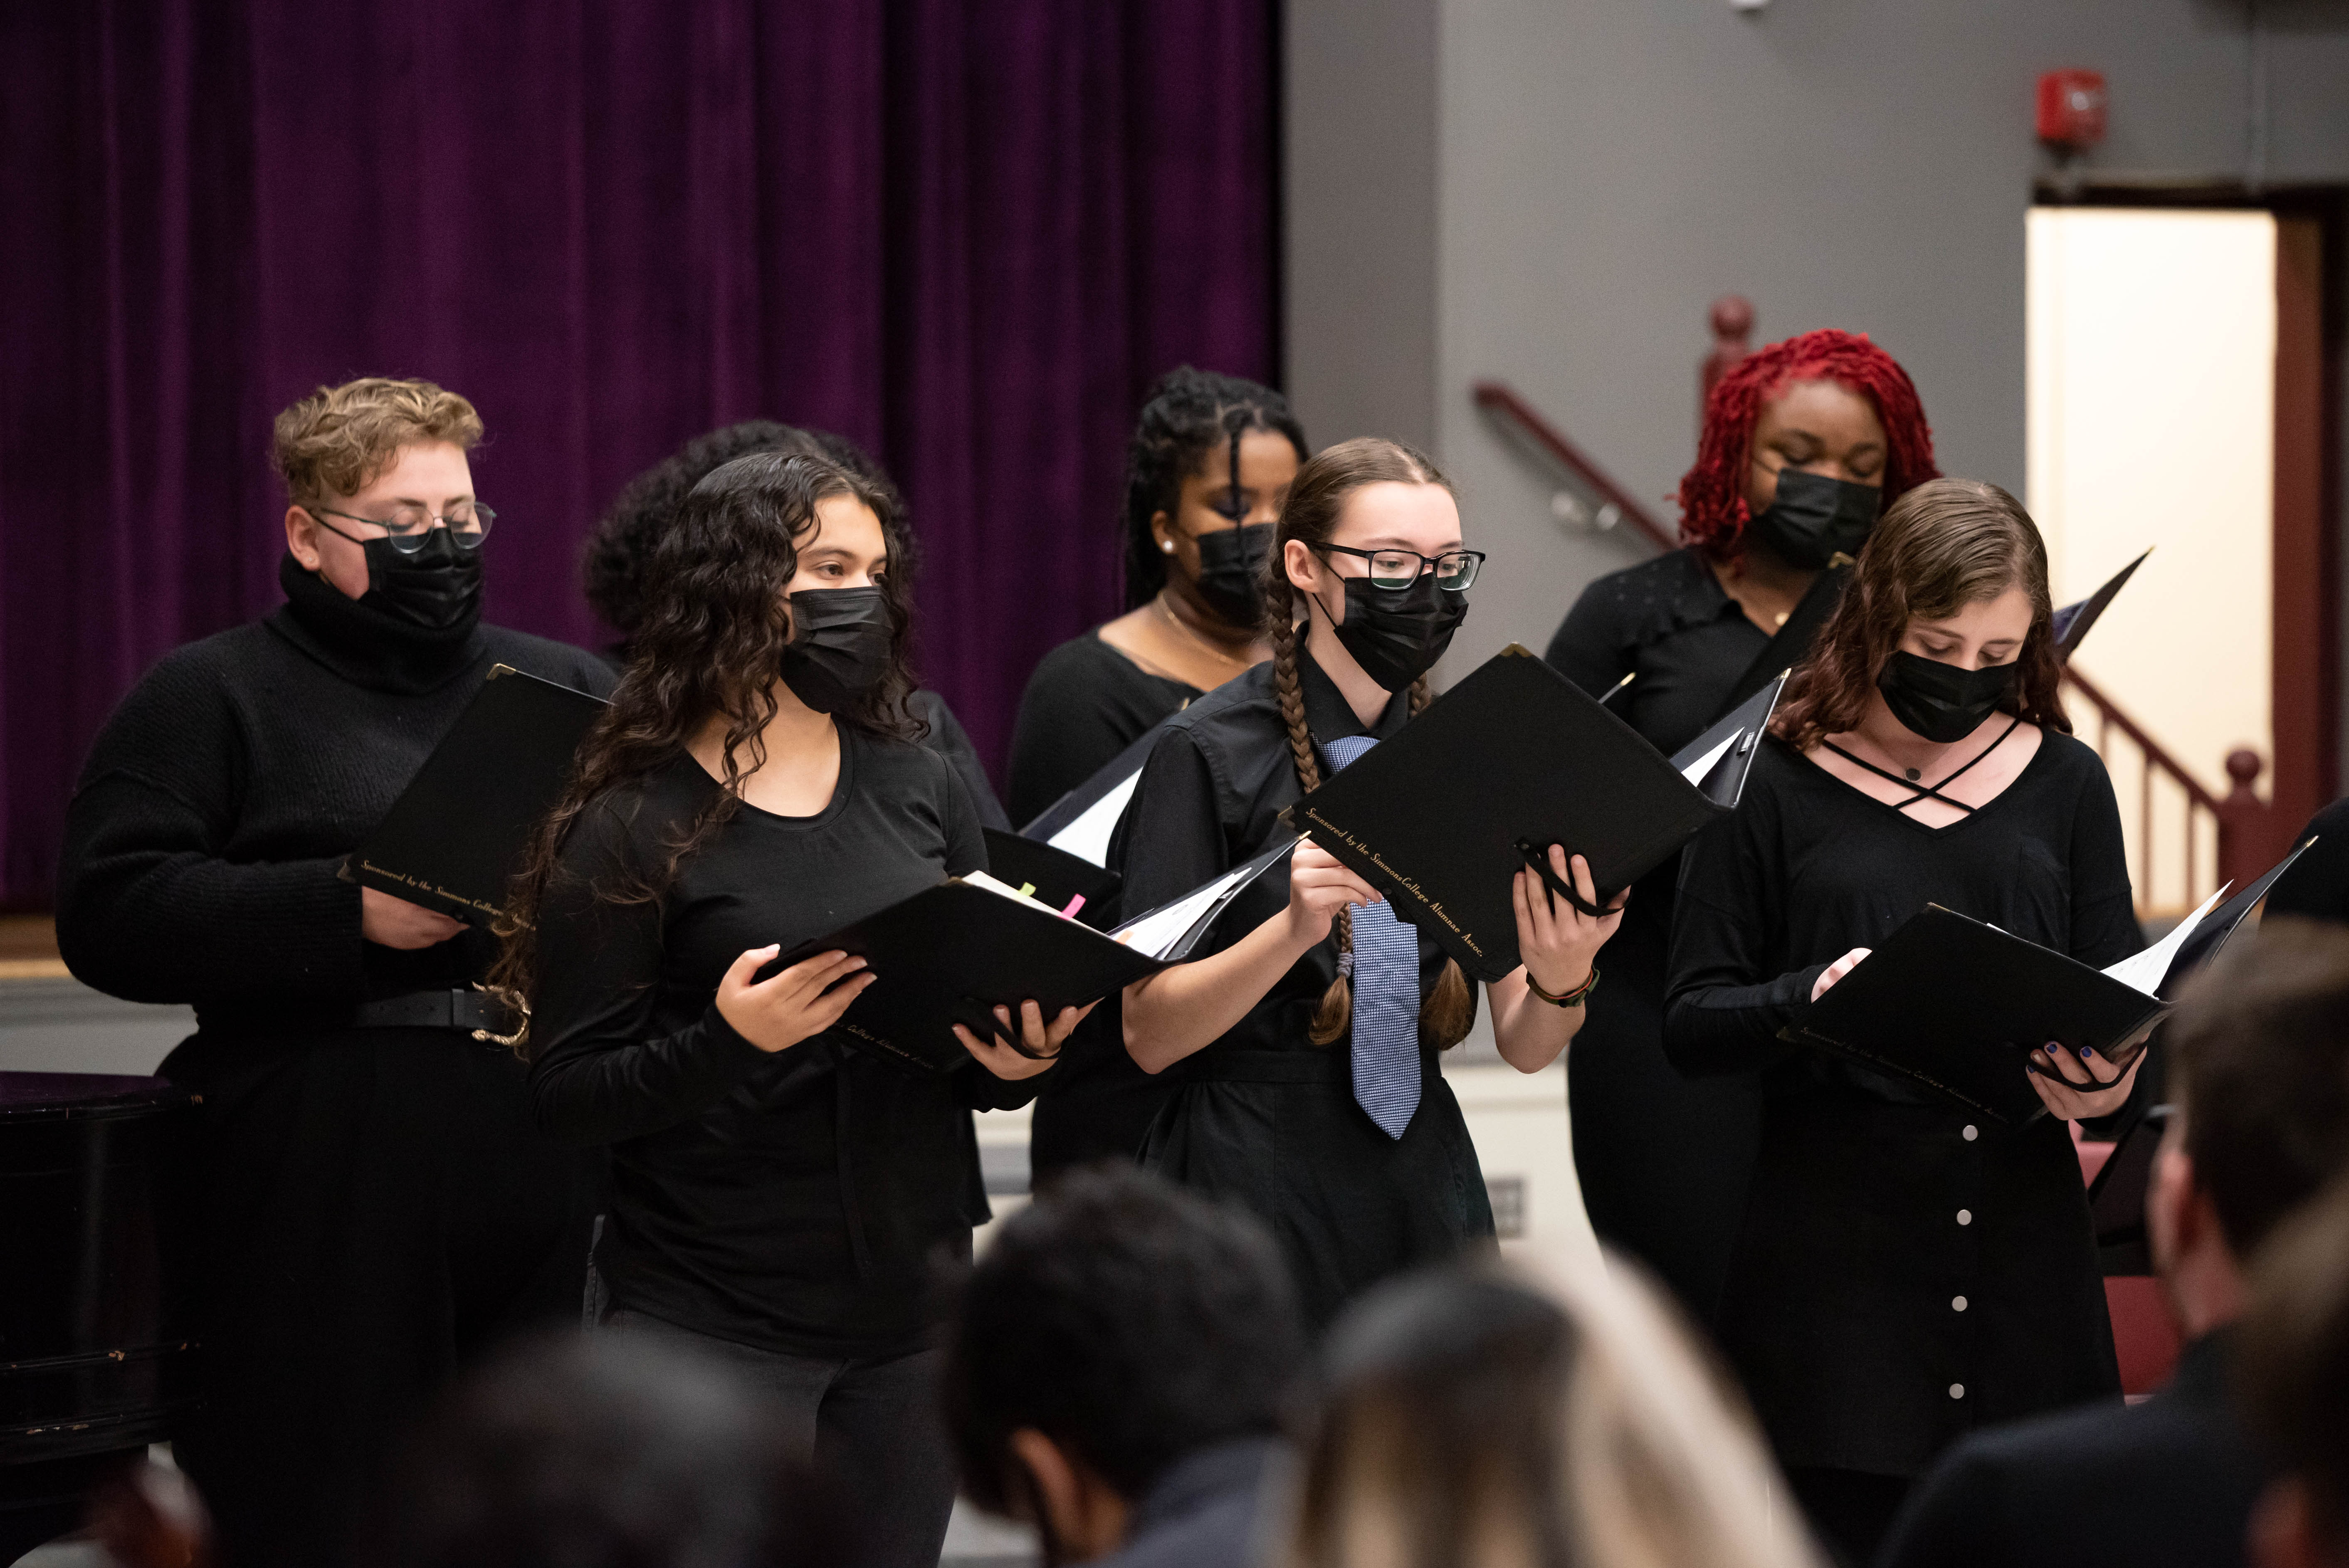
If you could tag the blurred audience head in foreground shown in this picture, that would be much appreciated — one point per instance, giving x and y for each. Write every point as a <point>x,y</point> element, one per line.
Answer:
<point>2259,1046</point>
<point>2258,1078</point>
<point>600,1451</point>
<point>1470,1418</point>
<point>1116,1370</point>
<point>2295,1383</point>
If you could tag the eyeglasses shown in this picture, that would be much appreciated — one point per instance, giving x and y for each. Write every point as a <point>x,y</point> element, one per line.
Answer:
<point>411,526</point>
<point>1455,570</point>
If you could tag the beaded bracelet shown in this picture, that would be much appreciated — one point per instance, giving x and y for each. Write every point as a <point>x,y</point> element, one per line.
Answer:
<point>1572,998</point>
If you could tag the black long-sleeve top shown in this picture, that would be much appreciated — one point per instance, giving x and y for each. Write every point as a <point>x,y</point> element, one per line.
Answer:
<point>1086,703</point>
<point>795,1200</point>
<point>205,837</point>
<point>1905,1273</point>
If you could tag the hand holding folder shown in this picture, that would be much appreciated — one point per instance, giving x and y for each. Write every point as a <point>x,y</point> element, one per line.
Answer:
<point>1513,760</point>
<point>1959,1006</point>
<point>970,953</point>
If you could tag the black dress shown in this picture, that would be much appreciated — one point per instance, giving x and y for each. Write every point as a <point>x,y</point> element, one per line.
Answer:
<point>1906,1273</point>
<point>1086,703</point>
<point>378,1208</point>
<point>795,1202</point>
<point>1263,1118</point>
<point>1664,1160</point>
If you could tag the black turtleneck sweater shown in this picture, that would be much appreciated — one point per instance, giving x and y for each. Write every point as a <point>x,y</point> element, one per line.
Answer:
<point>205,837</point>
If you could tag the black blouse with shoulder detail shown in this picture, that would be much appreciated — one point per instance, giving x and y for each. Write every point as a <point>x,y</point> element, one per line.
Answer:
<point>1668,622</point>
<point>1262,1116</point>
<point>1905,1272</point>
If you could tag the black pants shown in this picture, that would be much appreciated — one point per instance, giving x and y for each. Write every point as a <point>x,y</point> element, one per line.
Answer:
<point>872,1428</point>
<point>1850,1511</point>
<point>378,1213</point>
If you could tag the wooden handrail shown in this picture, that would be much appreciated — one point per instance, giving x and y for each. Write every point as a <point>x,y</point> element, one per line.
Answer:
<point>1500,400</point>
<point>2109,712</point>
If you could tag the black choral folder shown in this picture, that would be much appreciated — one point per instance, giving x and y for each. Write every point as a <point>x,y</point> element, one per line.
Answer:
<point>452,841</point>
<point>952,951</point>
<point>2073,621</point>
<point>1055,875</point>
<point>1959,1005</point>
<point>1440,817</point>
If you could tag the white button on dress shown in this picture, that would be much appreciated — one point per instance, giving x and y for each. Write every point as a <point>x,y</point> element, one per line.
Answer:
<point>1972,1132</point>
<point>1965,1216</point>
<point>1957,1304</point>
<point>1957,1390</point>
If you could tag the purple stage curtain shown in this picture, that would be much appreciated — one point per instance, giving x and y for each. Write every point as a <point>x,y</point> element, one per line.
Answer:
<point>965,232</point>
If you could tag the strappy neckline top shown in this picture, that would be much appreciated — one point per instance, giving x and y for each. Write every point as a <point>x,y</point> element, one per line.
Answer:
<point>1926,791</point>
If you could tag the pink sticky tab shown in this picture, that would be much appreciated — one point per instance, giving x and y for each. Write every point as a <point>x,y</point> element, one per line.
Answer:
<point>1075,904</point>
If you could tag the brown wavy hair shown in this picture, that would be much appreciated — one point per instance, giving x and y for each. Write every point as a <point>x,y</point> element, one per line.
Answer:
<point>1944,545</point>
<point>715,626</point>
<point>1315,501</point>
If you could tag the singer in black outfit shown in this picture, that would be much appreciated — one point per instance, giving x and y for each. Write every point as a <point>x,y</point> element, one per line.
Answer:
<point>612,565</point>
<point>1803,443</point>
<point>1209,465</point>
<point>375,1206</point>
<point>1906,1271</point>
<point>1340,1135</point>
<point>781,1198</point>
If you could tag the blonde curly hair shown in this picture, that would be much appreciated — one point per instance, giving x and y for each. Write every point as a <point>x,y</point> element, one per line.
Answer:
<point>338,439</point>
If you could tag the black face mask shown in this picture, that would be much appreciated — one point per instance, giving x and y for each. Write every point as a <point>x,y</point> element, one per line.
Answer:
<point>437,588</point>
<point>839,648</point>
<point>1231,572</point>
<point>1397,637</point>
<point>1815,519</point>
<point>1942,702</point>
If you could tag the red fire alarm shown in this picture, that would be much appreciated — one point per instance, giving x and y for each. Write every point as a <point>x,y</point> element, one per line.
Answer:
<point>2072,109</point>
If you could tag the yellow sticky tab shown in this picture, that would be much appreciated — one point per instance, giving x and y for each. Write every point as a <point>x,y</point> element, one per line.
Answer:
<point>1027,890</point>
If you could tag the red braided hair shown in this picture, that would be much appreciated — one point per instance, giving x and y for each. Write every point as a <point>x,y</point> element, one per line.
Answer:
<point>1712,493</point>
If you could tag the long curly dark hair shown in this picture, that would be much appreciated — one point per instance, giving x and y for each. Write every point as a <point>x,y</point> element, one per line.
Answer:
<point>612,562</point>
<point>1712,493</point>
<point>1315,501</point>
<point>716,621</point>
<point>1188,413</point>
<point>1946,544</point>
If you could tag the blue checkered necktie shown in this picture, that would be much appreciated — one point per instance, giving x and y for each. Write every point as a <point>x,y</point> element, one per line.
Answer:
<point>1386,995</point>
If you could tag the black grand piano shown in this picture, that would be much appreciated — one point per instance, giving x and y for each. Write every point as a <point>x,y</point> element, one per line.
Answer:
<point>96,1329</point>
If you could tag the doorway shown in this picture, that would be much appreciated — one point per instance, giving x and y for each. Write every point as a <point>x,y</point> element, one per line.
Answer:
<point>2179,400</point>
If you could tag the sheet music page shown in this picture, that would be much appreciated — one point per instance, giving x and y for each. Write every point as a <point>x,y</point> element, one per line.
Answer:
<point>1159,929</point>
<point>1695,771</point>
<point>1087,838</point>
<point>2145,971</point>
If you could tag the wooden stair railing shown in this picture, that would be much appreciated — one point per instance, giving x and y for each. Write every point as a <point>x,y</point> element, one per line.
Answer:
<point>2242,833</point>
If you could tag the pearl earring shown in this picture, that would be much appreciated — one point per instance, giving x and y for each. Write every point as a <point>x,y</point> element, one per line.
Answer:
<point>1166,545</point>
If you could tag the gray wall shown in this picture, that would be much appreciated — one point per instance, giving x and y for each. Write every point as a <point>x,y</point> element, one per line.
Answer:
<point>1606,168</point>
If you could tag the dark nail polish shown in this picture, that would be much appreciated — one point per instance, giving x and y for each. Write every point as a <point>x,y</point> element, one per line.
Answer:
<point>2051,1050</point>
<point>2085,1052</point>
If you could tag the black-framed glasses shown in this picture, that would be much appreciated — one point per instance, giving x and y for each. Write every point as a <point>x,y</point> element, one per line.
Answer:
<point>1455,570</point>
<point>410,527</point>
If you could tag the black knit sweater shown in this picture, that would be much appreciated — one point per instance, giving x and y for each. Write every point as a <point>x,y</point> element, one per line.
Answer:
<point>205,838</point>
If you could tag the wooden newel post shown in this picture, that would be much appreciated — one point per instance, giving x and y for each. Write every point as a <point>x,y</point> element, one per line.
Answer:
<point>2243,821</point>
<point>1732,323</point>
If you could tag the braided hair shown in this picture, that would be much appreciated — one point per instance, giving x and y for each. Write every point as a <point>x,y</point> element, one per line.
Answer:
<point>1188,413</point>
<point>1713,514</point>
<point>1315,501</point>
